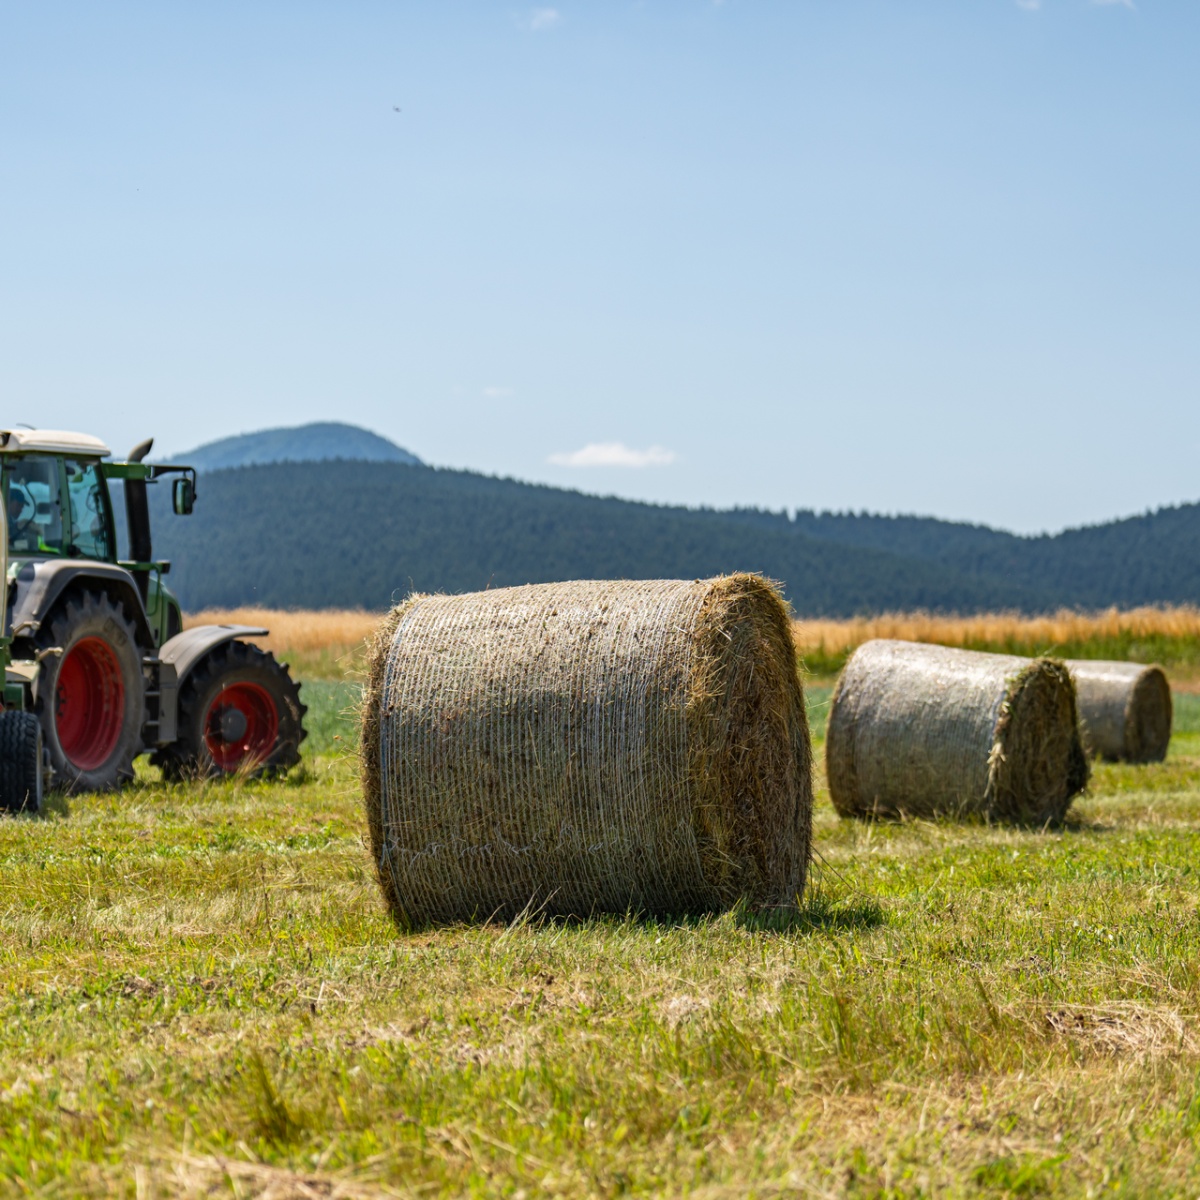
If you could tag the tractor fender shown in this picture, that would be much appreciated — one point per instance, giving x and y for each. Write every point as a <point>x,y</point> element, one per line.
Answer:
<point>186,649</point>
<point>39,586</point>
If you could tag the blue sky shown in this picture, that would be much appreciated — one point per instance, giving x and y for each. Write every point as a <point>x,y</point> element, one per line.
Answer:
<point>923,257</point>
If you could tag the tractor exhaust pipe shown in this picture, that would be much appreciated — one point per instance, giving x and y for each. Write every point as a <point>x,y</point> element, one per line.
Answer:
<point>137,516</point>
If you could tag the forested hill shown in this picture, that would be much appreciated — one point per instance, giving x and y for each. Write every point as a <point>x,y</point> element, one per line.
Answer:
<point>343,534</point>
<point>1148,559</point>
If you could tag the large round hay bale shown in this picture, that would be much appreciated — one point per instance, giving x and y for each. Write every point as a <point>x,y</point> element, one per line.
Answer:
<point>587,747</point>
<point>929,731</point>
<point>1125,709</point>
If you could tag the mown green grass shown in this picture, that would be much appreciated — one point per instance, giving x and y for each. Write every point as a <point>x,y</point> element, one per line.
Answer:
<point>202,995</point>
<point>332,717</point>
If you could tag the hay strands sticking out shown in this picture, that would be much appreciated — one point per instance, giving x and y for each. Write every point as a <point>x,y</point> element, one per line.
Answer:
<point>928,731</point>
<point>1125,709</point>
<point>587,747</point>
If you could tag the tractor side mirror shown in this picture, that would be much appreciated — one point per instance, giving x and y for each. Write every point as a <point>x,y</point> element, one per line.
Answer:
<point>183,496</point>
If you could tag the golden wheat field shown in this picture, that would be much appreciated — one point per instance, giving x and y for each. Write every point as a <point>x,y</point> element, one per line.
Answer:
<point>323,644</point>
<point>1059,629</point>
<point>1169,636</point>
<point>331,644</point>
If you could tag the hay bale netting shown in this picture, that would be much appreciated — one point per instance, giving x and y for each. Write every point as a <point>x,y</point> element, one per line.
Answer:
<point>1125,708</point>
<point>928,731</point>
<point>587,747</point>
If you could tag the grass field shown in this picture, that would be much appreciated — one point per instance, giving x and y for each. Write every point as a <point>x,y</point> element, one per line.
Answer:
<point>203,996</point>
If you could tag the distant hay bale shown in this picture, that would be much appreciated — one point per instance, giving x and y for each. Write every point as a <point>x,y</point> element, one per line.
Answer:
<point>587,747</point>
<point>929,731</point>
<point>1125,708</point>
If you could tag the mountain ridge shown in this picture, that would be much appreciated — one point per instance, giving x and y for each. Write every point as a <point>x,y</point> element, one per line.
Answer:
<point>318,441</point>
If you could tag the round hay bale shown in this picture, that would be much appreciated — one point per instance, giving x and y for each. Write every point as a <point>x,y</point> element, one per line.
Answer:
<point>1125,709</point>
<point>585,747</point>
<point>928,731</point>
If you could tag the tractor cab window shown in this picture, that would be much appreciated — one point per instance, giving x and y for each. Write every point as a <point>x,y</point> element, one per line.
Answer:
<point>33,496</point>
<point>89,512</point>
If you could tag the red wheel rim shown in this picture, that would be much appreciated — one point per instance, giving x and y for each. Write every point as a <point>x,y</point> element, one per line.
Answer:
<point>89,703</point>
<point>241,726</point>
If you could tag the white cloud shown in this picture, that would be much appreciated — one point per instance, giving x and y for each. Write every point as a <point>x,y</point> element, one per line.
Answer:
<point>491,392</point>
<point>543,18</point>
<point>1114,3</point>
<point>614,454</point>
<point>1029,5</point>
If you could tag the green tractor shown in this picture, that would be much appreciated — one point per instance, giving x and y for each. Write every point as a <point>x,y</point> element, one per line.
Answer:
<point>98,666</point>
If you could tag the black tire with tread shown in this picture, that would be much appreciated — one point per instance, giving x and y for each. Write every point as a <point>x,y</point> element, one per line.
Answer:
<point>188,756</point>
<point>91,614</point>
<point>20,761</point>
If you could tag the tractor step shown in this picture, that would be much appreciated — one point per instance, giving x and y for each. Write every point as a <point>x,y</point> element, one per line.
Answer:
<point>162,702</point>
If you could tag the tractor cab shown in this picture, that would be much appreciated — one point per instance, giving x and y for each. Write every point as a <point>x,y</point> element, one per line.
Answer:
<point>59,507</point>
<point>55,499</point>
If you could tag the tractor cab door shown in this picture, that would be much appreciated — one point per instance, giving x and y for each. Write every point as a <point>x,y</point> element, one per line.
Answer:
<point>88,510</point>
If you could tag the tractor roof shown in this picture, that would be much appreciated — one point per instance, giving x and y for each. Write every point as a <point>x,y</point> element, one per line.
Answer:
<point>53,441</point>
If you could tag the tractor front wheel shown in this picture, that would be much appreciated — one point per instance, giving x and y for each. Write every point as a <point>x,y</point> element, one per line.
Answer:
<point>239,713</point>
<point>90,694</point>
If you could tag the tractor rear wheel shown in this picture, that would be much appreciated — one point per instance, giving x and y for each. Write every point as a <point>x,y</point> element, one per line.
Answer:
<point>90,693</point>
<point>239,713</point>
<point>20,761</point>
